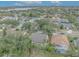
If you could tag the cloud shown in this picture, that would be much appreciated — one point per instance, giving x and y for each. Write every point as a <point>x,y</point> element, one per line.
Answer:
<point>19,4</point>
<point>57,3</point>
<point>28,3</point>
<point>36,3</point>
<point>32,2</point>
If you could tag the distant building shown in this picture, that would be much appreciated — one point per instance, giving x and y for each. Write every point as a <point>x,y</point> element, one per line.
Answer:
<point>64,22</point>
<point>14,8</point>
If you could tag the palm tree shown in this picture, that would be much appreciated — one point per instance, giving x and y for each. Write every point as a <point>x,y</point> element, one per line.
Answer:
<point>46,27</point>
<point>27,27</point>
<point>30,28</point>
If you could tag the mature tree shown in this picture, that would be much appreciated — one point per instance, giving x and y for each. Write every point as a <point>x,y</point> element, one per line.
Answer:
<point>46,27</point>
<point>30,28</point>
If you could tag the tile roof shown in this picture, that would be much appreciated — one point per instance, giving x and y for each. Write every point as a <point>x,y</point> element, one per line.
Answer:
<point>60,40</point>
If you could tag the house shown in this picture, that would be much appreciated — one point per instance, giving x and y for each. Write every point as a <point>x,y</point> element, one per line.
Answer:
<point>62,22</point>
<point>60,42</point>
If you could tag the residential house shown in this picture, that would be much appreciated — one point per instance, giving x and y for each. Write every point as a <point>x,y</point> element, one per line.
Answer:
<point>62,22</point>
<point>60,42</point>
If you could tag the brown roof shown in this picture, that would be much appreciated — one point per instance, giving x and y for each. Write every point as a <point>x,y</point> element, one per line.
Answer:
<point>59,39</point>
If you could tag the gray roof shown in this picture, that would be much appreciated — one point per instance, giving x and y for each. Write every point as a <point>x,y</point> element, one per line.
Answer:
<point>38,37</point>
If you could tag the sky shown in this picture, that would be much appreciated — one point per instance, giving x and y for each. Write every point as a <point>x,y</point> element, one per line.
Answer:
<point>38,3</point>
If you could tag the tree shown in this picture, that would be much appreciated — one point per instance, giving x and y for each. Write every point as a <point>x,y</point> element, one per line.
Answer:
<point>73,51</point>
<point>61,27</point>
<point>46,27</point>
<point>4,31</point>
<point>72,20</point>
<point>30,28</point>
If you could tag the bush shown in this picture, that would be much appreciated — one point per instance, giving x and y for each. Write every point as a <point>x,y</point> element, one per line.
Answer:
<point>17,29</point>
